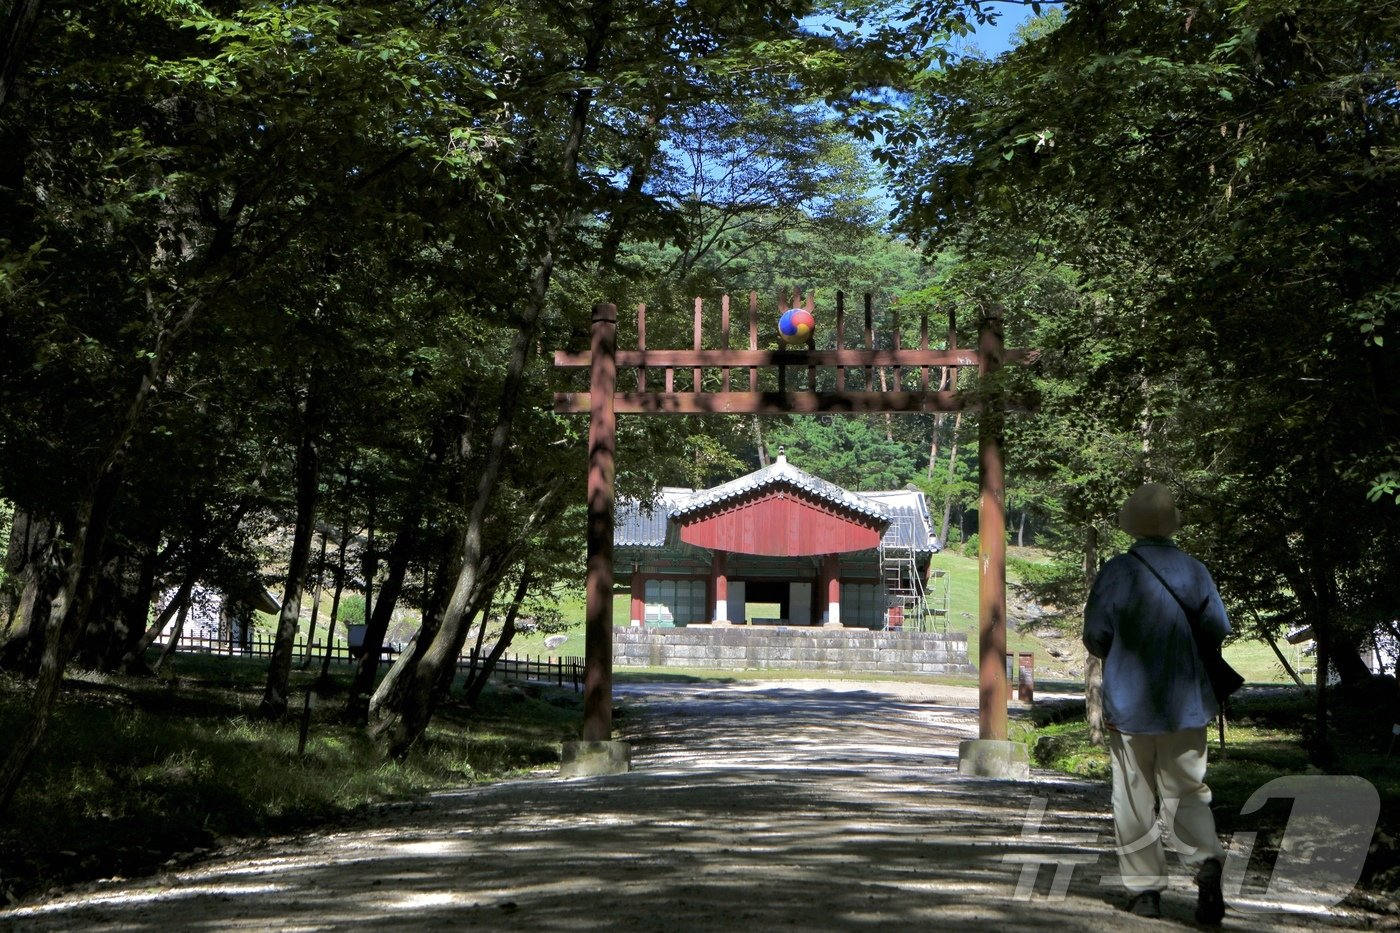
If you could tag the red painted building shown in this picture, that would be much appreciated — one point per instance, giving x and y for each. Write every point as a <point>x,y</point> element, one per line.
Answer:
<point>779,547</point>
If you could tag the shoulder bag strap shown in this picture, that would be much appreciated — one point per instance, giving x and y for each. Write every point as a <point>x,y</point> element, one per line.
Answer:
<point>1193,617</point>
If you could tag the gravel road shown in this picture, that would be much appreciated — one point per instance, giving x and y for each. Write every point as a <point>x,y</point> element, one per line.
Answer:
<point>790,806</point>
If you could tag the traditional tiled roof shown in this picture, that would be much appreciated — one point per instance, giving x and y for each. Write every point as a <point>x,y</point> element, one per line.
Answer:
<point>782,473</point>
<point>634,525</point>
<point>910,524</point>
<point>906,510</point>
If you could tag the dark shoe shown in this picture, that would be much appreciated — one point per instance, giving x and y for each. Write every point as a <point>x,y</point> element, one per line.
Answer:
<point>1210,902</point>
<point>1146,904</point>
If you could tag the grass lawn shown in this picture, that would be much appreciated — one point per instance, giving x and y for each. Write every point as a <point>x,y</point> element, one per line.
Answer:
<point>1256,661</point>
<point>964,606</point>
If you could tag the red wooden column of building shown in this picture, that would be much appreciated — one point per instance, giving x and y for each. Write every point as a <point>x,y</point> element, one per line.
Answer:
<point>602,459</point>
<point>831,575</point>
<point>719,572</point>
<point>639,606</point>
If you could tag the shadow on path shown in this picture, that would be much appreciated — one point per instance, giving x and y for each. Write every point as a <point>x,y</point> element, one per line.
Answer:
<point>750,806</point>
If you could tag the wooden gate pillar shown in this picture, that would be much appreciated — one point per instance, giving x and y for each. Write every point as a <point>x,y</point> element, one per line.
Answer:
<point>602,457</point>
<point>991,534</point>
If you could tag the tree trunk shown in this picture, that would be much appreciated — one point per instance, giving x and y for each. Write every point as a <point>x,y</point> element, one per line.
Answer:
<point>1283,660</point>
<point>933,444</point>
<point>358,704</point>
<point>17,558</point>
<point>177,602</point>
<point>121,609</point>
<point>369,566</point>
<point>1313,579</point>
<point>758,439</point>
<point>308,472</point>
<point>65,621</point>
<point>938,421</point>
<point>14,45</point>
<point>476,649</point>
<point>175,633</point>
<point>488,577</point>
<point>136,611</point>
<point>952,472</point>
<point>416,706</point>
<point>478,681</point>
<point>201,556</point>
<point>1093,667</point>
<point>1321,750</point>
<point>444,684</point>
<point>38,578</point>
<point>99,627</point>
<point>377,624</point>
<point>889,418</point>
<point>335,603</point>
<point>389,693</point>
<point>316,600</point>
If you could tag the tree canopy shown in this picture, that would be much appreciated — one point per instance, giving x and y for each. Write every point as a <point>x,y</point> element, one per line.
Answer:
<point>269,271</point>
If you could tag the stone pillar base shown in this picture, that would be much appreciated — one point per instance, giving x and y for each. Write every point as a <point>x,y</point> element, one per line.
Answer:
<point>590,759</point>
<point>994,758</point>
<point>832,625</point>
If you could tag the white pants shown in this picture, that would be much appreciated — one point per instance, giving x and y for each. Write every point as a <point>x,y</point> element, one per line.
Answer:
<point>1166,774</point>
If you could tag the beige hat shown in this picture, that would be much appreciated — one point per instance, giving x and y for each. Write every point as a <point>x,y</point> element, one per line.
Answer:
<point>1150,512</point>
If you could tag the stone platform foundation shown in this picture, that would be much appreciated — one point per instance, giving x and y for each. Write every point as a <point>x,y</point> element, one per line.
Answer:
<point>746,647</point>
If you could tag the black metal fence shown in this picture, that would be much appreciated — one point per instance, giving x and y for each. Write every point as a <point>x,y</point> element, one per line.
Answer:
<point>260,646</point>
<point>538,668</point>
<point>559,671</point>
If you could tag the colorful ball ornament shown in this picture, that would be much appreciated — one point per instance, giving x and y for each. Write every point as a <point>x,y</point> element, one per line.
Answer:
<point>796,326</point>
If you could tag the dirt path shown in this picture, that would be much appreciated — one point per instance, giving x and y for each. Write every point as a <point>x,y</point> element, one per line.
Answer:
<point>795,805</point>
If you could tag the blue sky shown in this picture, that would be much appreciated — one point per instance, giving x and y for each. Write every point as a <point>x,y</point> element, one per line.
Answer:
<point>991,39</point>
<point>997,38</point>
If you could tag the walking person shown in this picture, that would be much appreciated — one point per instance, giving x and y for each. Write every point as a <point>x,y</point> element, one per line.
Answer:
<point>1157,703</point>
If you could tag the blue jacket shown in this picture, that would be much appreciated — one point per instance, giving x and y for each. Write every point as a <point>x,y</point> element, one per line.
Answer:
<point>1153,679</point>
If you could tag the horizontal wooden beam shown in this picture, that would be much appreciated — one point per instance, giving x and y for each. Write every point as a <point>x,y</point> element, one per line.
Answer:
<point>660,359</point>
<point>765,403</point>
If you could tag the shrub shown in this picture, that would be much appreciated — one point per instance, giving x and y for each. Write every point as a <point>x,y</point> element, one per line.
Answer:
<point>352,609</point>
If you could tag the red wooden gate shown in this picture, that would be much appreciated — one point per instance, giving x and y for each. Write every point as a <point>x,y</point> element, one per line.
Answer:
<point>796,392</point>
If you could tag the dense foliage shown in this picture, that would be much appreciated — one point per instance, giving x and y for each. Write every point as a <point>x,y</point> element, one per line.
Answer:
<point>277,276</point>
<point>1207,188</point>
<point>281,276</point>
